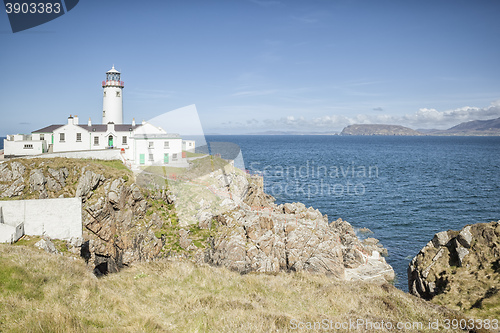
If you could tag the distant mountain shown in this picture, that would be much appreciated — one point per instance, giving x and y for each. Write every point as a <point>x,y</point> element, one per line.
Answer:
<point>491,126</point>
<point>472,128</point>
<point>378,129</point>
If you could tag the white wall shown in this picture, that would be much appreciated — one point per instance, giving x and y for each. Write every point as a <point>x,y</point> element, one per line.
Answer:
<point>105,154</point>
<point>10,234</point>
<point>70,143</point>
<point>56,218</point>
<point>20,148</point>
<point>189,145</point>
<point>142,146</point>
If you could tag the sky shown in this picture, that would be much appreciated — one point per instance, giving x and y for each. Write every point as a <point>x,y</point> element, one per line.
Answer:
<point>251,66</point>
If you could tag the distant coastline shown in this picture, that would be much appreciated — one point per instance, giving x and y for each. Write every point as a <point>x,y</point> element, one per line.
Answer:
<point>490,127</point>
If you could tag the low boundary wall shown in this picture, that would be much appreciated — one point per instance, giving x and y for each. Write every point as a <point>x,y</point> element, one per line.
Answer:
<point>59,218</point>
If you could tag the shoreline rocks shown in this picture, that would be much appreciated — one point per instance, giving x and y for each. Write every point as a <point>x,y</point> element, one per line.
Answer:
<point>460,269</point>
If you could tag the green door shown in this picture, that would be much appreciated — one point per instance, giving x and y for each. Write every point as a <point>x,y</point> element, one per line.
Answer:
<point>165,158</point>
<point>141,159</point>
<point>52,138</point>
<point>110,141</point>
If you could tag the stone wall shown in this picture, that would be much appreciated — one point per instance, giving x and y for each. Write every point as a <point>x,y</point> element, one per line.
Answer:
<point>105,154</point>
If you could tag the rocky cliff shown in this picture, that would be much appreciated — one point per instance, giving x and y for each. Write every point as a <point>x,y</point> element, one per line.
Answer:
<point>460,269</point>
<point>119,224</point>
<point>220,216</point>
<point>378,129</point>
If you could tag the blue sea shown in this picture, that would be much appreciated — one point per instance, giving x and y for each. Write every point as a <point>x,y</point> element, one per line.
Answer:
<point>1,142</point>
<point>404,189</point>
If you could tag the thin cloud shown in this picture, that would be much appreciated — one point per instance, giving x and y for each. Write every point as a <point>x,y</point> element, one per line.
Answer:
<point>264,3</point>
<point>312,18</point>
<point>378,109</point>
<point>254,93</point>
<point>423,118</point>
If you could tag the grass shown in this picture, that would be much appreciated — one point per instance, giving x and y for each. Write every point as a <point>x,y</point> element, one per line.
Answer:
<point>190,154</point>
<point>52,293</point>
<point>115,164</point>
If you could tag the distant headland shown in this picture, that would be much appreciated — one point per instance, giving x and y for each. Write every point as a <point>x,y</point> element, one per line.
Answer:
<point>490,127</point>
<point>378,129</point>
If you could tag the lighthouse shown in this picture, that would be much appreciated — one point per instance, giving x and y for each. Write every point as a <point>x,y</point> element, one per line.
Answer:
<point>112,100</point>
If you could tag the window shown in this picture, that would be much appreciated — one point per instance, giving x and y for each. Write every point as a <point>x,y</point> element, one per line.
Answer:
<point>117,94</point>
<point>151,157</point>
<point>30,146</point>
<point>61,137</point>
<point>104,94</point>
<point>151,144</point>
<point>190,144</point>
<point>78,137</point>
<point>166,145</point>
<point>42,137</point>
<point>96,141</point>
<point>124,140</point>
<point>104,113</point>
<point>174,157</point>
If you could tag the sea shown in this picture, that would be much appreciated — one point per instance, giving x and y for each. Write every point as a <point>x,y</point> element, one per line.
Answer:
<point>404,189</point>
<point>1,142</point>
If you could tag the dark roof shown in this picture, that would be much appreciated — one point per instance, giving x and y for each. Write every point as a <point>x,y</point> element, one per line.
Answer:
<point>48,129</point>
<point>93,128</point>
<point>126,127</point>
<point>104,128</point>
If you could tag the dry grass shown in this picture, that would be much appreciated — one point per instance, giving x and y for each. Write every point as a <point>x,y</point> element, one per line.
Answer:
<point>53,293</point>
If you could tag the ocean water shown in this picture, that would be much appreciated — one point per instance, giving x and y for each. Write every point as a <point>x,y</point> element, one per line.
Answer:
<point>404,189</point>
<point>1,142</point>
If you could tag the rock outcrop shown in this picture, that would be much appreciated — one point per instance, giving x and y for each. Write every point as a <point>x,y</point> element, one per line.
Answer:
<point>119,226</point>
<point>258,235</point>
<point>223,218</point>
<point>460,269</point>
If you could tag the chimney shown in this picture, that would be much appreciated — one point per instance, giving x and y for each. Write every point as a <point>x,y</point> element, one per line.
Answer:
<point>133,121</point>
<point>90,122</point>
<point>70,120</point>
<point>75,120</point>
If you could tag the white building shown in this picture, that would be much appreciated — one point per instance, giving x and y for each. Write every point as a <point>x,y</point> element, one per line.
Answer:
<point>143,144</point>
<point>188,145</point>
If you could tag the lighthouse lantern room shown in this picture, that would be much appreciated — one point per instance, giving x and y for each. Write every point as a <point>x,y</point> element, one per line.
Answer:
<point>112,105</point>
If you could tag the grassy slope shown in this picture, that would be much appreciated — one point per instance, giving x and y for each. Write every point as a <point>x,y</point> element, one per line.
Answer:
<point>54,293</point>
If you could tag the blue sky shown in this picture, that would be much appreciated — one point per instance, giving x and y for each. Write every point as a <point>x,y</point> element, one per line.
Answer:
<point>258,65</point>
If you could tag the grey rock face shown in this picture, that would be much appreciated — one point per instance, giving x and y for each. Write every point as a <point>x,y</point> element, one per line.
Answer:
<point>15,189</point>
<point>465,237</point>
<point>289,237</point>
<point>433,270</point>
<point>46,245</point>
<point>12,173</point>
<point>89,181</point>
<point>37,183</point>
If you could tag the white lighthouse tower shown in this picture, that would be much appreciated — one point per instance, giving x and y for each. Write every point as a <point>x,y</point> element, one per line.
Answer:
<point>112,100</point>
